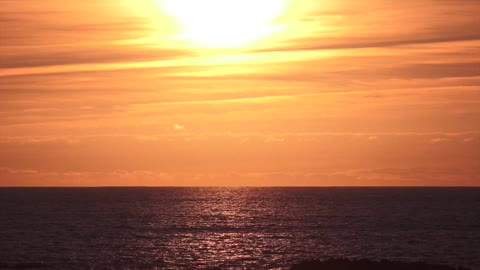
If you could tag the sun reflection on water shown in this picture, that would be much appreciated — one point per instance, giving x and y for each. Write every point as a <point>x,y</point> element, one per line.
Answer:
<point>222,229</point>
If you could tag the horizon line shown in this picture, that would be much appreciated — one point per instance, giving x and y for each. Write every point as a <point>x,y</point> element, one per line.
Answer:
<point>240,186</point>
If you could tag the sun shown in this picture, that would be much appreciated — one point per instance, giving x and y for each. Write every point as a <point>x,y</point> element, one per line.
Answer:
<point>225,23</point>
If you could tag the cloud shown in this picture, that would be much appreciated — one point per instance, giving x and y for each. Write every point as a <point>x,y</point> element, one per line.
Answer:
<point>242,136</point>
<point>16,171</point>
<point>28,177</point>
<point>412,176</point>
<point>438,140</point>
<point>400,176</point>
<point>346,25</point>
<point>315,44</point>
<point>61,23</point>
<point>178,127</point>
<point>438,70</point>
<point>82,55</point>
<point>273,139</point>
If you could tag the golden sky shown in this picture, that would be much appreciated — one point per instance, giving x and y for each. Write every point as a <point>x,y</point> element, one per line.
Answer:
<point>262,93</point>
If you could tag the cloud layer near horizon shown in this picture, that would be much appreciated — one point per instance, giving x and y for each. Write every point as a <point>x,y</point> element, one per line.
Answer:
<point>375,93</point>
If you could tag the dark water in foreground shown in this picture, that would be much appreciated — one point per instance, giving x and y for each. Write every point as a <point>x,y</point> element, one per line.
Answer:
<point>240,228</point>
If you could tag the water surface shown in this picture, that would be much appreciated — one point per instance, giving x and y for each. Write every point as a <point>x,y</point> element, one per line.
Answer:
<point>241,228</point>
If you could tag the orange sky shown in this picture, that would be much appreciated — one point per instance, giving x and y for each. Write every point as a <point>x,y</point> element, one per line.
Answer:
<point>360,93</point>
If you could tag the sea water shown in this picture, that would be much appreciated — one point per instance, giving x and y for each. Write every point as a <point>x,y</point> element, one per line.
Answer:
<point>235,228</point>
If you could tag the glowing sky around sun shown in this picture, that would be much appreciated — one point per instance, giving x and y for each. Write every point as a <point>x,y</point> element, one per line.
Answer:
<point>225,23</point>
<point>267,92</point>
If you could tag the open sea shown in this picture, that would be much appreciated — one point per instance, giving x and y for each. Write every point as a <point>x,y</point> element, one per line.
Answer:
<point>235,228</point>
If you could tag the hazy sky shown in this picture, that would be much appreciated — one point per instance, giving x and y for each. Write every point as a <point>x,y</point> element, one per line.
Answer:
<point>347,92</point>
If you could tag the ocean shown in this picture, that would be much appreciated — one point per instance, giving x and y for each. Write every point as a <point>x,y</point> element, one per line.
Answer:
<point>235,228</point>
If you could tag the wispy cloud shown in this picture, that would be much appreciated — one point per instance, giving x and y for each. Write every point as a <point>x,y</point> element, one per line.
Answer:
<point>438,140</point>
<point>178,127</point>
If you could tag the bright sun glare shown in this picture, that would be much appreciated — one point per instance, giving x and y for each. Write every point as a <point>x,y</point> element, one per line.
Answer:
<point>225,23</point>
